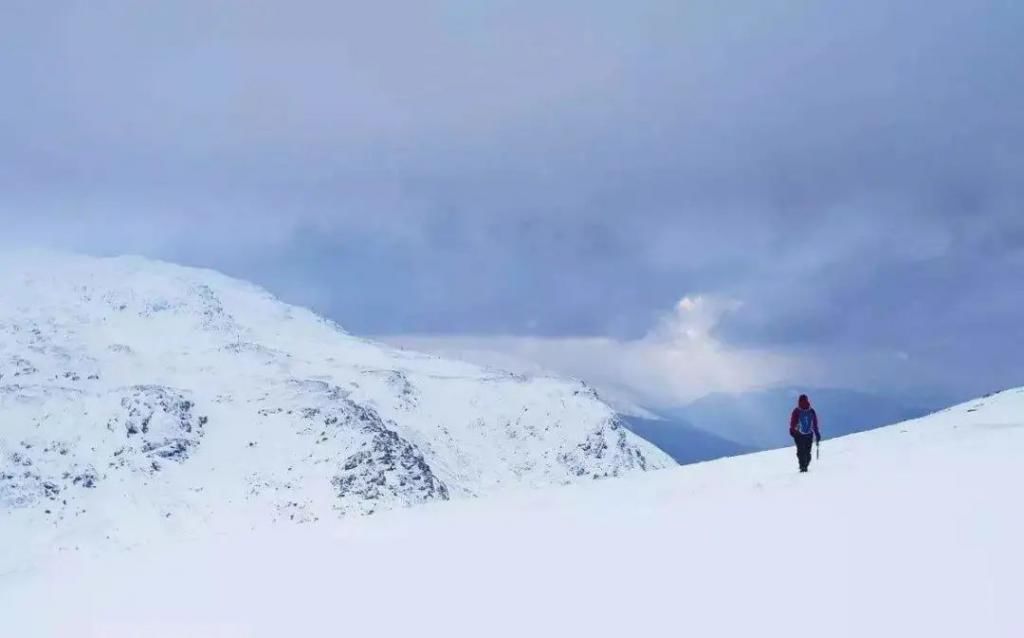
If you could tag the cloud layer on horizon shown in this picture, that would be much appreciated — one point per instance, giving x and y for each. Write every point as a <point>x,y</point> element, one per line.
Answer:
<point>681,359</point>
<point>677,361</point>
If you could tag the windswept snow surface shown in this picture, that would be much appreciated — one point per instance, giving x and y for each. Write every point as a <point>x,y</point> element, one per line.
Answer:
<point>911,530</point>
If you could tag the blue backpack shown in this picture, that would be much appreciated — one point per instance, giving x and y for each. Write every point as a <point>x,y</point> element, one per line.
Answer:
<point>806,422</point>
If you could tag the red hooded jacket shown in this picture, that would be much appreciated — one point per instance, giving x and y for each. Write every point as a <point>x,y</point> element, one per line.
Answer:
<point>794,419</point>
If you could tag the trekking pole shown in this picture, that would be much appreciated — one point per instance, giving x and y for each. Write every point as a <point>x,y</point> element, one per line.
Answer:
<point>817,449</point>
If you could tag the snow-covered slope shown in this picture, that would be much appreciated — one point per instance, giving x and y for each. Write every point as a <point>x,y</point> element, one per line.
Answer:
<point>911,530</point>
<point>136,388</point>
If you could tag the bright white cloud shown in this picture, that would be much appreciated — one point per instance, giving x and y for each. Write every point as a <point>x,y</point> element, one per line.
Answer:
<point>693,319</point>
<point>678,360</point>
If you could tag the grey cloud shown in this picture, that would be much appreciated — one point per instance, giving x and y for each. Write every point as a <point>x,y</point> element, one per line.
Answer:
<point>852,172</point>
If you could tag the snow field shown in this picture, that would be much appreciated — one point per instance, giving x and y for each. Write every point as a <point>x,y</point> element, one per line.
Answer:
<point>911,530</point>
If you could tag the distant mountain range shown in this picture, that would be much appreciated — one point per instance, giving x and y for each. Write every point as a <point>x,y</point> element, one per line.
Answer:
<point>683,441</point>
<point>724,424</point>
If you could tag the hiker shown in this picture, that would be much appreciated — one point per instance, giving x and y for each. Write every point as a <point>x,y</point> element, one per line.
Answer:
<point>803,427</point>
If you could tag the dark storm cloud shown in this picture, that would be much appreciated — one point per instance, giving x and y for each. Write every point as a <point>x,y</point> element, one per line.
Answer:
<point>851,171</point>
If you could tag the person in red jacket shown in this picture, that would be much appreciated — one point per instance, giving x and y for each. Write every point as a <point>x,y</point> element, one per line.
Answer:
<point>803,427</point>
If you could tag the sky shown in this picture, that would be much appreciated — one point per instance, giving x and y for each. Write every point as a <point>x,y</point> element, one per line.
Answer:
<point>669,198</point>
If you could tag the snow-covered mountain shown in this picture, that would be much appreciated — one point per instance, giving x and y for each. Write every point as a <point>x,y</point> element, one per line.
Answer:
<point>129,386</point>
<point>909,530</point>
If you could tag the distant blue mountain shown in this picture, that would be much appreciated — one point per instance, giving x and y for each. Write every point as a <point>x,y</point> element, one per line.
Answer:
<point>682,441</point>
<point>722,424</point>
<point>760,419</point>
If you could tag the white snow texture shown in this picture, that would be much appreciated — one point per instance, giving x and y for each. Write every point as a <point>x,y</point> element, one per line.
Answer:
<point>910,530</point>
<point>134,387</point>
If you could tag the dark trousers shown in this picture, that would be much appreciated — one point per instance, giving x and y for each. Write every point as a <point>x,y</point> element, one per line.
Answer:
<point>804,442</point>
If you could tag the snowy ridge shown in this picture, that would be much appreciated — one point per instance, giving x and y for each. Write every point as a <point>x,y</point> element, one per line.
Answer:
<point>909,530</point>
<point>137,388</point>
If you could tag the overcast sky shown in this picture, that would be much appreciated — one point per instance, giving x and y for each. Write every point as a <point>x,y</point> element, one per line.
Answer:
<point>670,197</point>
